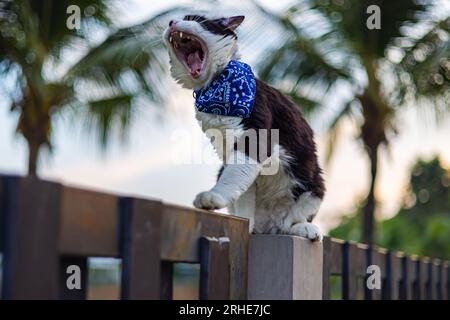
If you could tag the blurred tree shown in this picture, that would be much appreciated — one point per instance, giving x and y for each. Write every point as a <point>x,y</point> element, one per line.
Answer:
<point>52,68</point>
<point>421,225</point>
<point>404,63</point>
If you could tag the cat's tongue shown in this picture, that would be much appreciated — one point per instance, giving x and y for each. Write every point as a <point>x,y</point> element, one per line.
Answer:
<point>194,63</point>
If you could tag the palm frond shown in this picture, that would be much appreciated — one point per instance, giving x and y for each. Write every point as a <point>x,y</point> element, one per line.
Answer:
<point>128,65</point>
<point>350,17</point>
<point>300,59</point>
<point>105,116</point>
<point>334,129</point>
<point>428,61</point>
<point>136,51</point>
<point>306,104</point>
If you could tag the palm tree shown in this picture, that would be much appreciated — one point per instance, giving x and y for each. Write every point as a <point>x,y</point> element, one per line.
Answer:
<point>50,68</point>
<point>405,63</point>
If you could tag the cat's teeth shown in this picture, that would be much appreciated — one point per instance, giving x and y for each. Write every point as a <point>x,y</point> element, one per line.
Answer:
<point>181,34</point>
<point>170,39</point>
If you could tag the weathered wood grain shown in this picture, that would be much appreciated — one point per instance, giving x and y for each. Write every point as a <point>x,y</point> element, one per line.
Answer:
<point>214,268</point>
<point>89,223</point>
<point>285,267</point>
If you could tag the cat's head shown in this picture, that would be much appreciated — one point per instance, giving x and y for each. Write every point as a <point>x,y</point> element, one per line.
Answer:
<point>200,48</point>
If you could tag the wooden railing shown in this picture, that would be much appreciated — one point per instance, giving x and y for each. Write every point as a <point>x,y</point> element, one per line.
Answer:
<point>46,227</point>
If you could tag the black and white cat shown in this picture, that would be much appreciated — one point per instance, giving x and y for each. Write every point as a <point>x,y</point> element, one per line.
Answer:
<point>283,202</point>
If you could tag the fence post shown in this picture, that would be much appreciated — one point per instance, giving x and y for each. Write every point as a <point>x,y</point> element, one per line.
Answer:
<point>30,224</point>
<point>332,264</point>
<point>214,268</point>
<point>140,248</point>
<point>446,280</point>
<point>437,279</point>
<point>284,267</point>
<point>354,264</point>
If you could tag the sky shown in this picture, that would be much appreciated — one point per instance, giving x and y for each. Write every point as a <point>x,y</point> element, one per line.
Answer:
<point>145,164</point>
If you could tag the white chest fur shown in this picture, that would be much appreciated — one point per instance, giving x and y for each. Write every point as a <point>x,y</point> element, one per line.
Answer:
<point>221,130</point>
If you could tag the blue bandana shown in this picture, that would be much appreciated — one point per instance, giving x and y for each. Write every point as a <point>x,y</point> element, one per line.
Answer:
<point>232,93</point>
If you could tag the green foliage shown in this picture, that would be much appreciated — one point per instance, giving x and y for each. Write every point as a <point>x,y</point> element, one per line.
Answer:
<point>342,48</point>
<point>405,62</point>
<point>101,80</point>
<point>422,225</point>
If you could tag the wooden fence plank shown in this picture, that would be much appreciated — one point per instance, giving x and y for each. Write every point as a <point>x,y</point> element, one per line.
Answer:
<point>414,278</point>
<point>140,248</point>
<point>166,280</point>
<point>30,233</point>
<point>44,228</point>
<point>65,292</point>
<point>214,268</point>
<point>393,285</point>
<point>354,273</point>
<point>437,279</point>
<point>332,263</point>
<point>426,279</point>
<point>186,226</point>
<point>377,257</point>
<point>404,284</point>
<point>89,223</point>
<point>90,227</point>
<point>446,280</point>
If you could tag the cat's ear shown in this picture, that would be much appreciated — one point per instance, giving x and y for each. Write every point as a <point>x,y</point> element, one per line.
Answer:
<point>232,23</point>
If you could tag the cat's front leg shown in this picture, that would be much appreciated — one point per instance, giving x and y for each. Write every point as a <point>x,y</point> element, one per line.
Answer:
<point>235,179</point>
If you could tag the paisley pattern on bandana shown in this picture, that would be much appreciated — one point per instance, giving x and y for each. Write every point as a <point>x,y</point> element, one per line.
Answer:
<point>232,93</point>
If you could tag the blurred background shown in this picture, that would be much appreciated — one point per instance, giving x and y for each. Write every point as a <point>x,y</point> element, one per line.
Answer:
<point>93,105</point>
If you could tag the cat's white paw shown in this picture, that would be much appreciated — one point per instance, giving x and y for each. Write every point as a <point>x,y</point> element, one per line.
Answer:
<point>210,200</point>
<point>307,230</point>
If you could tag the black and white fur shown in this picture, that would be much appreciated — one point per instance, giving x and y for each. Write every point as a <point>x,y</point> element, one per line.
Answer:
<point>283,203</point>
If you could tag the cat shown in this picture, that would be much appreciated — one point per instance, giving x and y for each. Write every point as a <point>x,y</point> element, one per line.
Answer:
<point>204,57</point>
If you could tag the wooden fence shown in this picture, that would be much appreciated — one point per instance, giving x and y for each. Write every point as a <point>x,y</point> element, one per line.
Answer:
<point>46,227</point>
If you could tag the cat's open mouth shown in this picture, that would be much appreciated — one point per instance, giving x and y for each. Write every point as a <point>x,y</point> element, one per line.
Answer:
<point>190,50</point>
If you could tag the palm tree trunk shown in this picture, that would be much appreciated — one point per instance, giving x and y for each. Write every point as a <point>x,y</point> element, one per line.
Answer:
<point>370,205</point>
<point>33,157</point>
